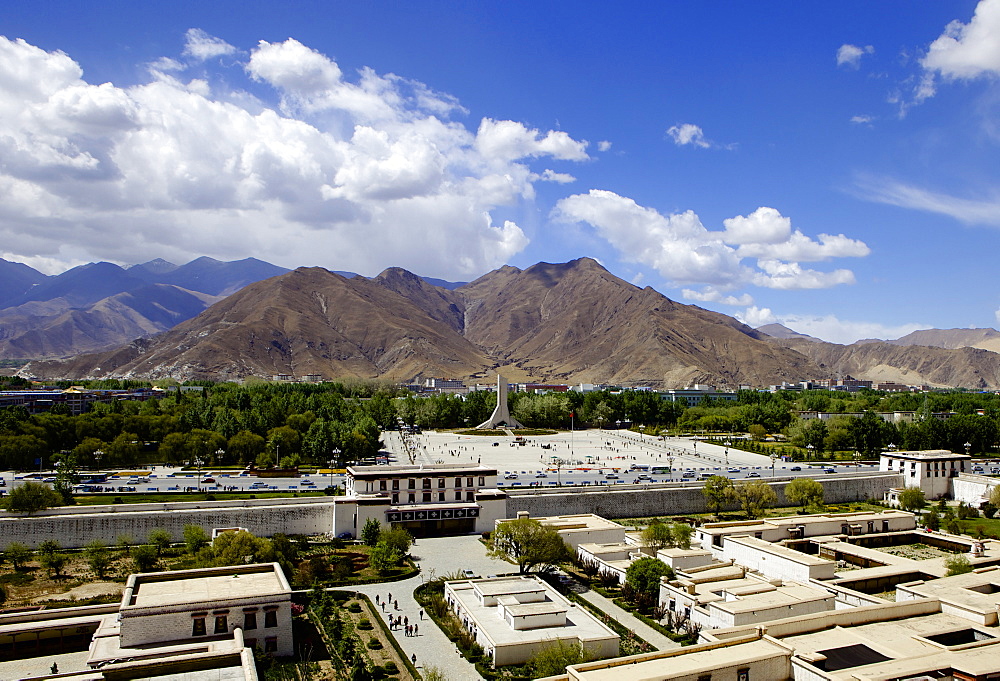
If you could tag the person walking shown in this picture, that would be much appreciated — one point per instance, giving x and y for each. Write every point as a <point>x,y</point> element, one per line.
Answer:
<point>421,613</point>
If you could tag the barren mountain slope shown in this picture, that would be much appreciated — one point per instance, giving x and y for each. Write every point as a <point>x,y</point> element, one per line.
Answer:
<point>907,364</point>
<point>986,339</point>
<point>309,321</point>
<point>577,321</point>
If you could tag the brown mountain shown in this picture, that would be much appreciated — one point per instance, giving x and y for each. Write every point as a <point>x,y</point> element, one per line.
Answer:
<point>568,322</point>
<point>907,364</point>
<point>985,339</point>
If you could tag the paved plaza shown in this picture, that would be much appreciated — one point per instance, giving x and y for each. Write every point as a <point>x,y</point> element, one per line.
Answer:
<point>593,448</point>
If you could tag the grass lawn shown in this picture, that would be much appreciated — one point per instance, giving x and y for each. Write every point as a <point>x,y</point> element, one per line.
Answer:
<point>990,527</point>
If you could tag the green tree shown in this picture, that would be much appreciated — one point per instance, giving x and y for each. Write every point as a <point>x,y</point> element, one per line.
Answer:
<point>18,554</point>
<point>245,446</point>
<point>644,574</point>
<point>657,536</point>
<point>528,543</point>
<point>98,557</point>
<point>754,497</point>
<point>397,538</point>
<point>717,491</point>
<point>161,539</point>
<point>867,434</point>
<point>31,497</point>
<point>54,563</point>
<point>239,548</point>
<point>681,533</point>
<point>195,538</point>
<point>553,659</point>
<point>931,519</point>
<point>371,531</point>
<point>757,432</point>
<point>995,496</point>
<point>805,491</point>
<point>912,499</point>
<point>957,564</point>
<point>383,557</point>
<point>145,558</point>
<point>49,547</point>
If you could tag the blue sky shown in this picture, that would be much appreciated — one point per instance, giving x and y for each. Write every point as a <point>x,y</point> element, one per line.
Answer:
<point>832,167</point>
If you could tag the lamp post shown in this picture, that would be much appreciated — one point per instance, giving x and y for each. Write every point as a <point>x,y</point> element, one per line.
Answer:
<point>773,457</point>
<point>330,463</point>
<point>98,455</point>
<point>219,453</point>
<point>727,443</point>
<point>810,449</point>
<point>968,446</point>
<point>670,466</point>
<point>198,462</point>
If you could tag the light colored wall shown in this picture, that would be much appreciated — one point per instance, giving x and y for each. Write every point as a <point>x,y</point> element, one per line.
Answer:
<point>773,564</point>
<point>971,488</point>
<point>678,498</point>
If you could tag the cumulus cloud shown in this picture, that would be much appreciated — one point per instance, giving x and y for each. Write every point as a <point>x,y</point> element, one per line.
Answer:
<point>969,50</point>
<point>850,55</point>
<point>684,251</point>
<point>348,171</point>
<point>604,145</point>
<point>828,327</point>
<point>688,133</point>
<point>201,46</point>
<point>710,294</point>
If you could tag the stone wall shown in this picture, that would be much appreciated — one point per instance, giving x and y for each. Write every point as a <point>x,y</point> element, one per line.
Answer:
<point>75,526</point>
<point>636,501</point>
<point>75,530</point>
<point>973,489</point>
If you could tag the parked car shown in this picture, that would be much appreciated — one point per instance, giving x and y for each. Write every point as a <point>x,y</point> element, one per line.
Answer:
<point>469,574</point>
<point>208,481</point>
<point>610,476</point>
<point>795,468</point>
<point>541,475</point>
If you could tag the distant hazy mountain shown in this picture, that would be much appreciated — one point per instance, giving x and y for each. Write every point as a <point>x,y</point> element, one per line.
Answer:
<point>573,321</point>
<point>986,339</point>
<point>101,305</point>
<point>783,332</point>
<point>16,279</point>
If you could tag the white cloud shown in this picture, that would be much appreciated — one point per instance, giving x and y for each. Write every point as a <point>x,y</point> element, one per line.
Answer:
<point>850,55</point>
<point>688,133</point>
<point>552,176</point>
<point>970,50</point>
<point>862,120</point>
<point>970,211</point>
<point>684,251</point>
<point>166,168</point>
<point>828,327</point>
<point>604,145</point>
<point>201,46</point>
<point>710,294</point>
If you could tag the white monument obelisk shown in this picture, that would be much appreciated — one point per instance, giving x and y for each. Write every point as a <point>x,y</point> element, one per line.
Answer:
<point>501,415</point>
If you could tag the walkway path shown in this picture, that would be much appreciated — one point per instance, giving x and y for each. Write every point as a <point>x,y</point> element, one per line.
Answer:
<point>437,557</point>
<point>628,620</point>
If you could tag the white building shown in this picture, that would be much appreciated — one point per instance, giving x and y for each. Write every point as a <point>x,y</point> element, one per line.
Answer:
<point>931,470</point>
<point>426,500</point>
<point>513,618</point>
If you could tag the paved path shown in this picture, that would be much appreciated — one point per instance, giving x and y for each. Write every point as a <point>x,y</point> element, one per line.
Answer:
<point>42,666</point>
<point>628,620</point>
<point>437,557</point>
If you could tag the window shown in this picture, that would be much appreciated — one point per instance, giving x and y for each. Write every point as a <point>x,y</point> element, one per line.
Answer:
<point>743,674</point>
<point>250,643</point>
<point>440,496</point>
<point>412,498</point>
<point>198,626</point>
<point>221,624</point>
<point>249,621</point>
<point>427,483</point>
<point>458,496</point>
<point>458,482</point>
<point>468,482</point>
<point>440,482</point>
<point>381,485</point>
<point>411,483</point>
<point>482,480</point>
<point>470,496</point>
<point>395,484</point>
<point>270,644</point>
<point>705,677</point>
<point>395,497</point>
<point>270,619</point>
<point>427,496</point>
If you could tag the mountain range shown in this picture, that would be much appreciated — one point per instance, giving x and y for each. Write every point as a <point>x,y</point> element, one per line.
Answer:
<point>568,322</point>
<point>102,305</point>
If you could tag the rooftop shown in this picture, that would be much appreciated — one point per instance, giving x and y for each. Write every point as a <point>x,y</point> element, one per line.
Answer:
<point>444,469</point>
<point>158,589</point>
<point>927,455</point>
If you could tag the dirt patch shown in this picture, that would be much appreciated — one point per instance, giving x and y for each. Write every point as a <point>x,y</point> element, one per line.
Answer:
<point>91,590</point>
<point>915,551</point>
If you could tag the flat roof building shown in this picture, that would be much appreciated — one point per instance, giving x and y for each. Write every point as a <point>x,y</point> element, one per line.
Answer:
<point>513,618</point>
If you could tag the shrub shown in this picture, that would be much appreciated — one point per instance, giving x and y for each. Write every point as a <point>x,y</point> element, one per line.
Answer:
<point>374,644</point>
<point>390,667</point>
<point>354,607</point>
<point>365,624</point>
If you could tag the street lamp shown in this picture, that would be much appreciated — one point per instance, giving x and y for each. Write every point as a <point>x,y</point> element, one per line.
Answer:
<point>810,449</point>
<point>98,455</point>
<point>727,443</point>
<point>968,446</point>
<point>330,463</point>
<point>198,462</point>
<point>670,466</point>
<point>219,453</point>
